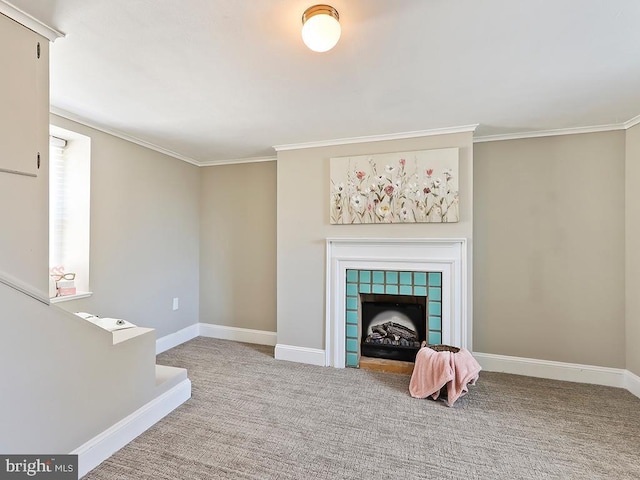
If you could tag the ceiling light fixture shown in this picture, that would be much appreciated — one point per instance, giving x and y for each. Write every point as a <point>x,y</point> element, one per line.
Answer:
<point>320,27</point>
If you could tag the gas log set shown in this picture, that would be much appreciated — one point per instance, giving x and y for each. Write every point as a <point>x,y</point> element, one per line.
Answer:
<point>392,334</point>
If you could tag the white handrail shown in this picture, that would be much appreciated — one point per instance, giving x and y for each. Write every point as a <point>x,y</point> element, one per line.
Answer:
<point>17,172</point>
<point>11,281</point>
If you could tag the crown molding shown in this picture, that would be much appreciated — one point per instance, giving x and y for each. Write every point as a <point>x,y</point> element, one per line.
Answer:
<point>116,133</point>
<point>377,138</point>
<point>561,131</point>
<point>87,123</point>
<point>233,161</point>
<point>32,23</point>
<point>549,133</point>
<point>632,122</point>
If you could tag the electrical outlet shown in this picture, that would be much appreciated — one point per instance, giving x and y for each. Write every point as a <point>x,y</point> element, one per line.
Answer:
<point>176,303</point>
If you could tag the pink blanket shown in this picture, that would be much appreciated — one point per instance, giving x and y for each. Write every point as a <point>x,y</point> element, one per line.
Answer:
<point>433,370</point>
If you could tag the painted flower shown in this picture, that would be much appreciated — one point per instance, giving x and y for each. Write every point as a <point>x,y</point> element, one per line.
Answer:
<point>429,172</point>
<point>381,179</point>
<point>360,174</point>
<point>389,168</point>
<point>402,162</point>
<point>426,190</point>
<point>448,173</point>
<point>357,202</point>
<point>437,182</point>
<point>339,188</point>
<point>383,210</point>
<point>389,190</point>
<point>373,187</point>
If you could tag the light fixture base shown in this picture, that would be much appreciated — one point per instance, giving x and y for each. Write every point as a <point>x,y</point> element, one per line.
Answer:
<point>320,9</point>
<point>321,27</point>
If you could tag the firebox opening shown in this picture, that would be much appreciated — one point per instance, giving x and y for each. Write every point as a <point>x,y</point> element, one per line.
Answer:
<point>392,326</point>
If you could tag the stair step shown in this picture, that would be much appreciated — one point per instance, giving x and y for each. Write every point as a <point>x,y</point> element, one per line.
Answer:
<point>168,377</point>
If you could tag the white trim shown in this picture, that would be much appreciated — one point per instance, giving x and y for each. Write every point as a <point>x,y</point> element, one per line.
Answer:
<point>260,337</point>
<point>176,338</point>
<point>549,133</point>
<point>68,298</point>
<point>342,141</point>
<point>445,255</point>
<point>632,122</point>
<point>105,444</point>
<point>328,306</point>
<point>291,353</point>
<point>632,382</point>
<point>377,138</point>
<point>22,287</point>
<point>116,133</point>
<point>569,372</point>
<point>234,161</point>
<point>29,21</point>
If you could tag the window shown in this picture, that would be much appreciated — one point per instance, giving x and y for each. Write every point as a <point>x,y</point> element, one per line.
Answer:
<point>69,210</point>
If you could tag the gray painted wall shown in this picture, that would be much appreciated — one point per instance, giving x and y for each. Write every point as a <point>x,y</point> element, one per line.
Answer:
<point>64,381</point>
<point>238,245</point>
<point>549,248</point>
<point>303,226</point>
<point>632,242</point>
<point>565,318</point>
<point>144,234</point>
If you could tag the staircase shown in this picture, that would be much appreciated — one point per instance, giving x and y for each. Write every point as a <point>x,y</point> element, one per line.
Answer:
<point>73,387</point>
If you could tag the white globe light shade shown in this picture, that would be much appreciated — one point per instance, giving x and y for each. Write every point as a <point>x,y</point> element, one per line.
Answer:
<point>321,31</point>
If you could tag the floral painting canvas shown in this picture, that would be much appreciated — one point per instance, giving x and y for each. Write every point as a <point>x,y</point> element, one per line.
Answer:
<point>405,187</point>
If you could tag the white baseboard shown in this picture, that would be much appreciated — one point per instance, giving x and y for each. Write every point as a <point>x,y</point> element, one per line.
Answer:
<point>570,372</point>
<point>102,446</point>
<point>632,383</point>
<point>174,339</point>
<point>292,353</point>
<point>261,337</point>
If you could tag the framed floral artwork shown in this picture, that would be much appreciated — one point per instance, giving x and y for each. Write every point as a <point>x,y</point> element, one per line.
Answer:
<point>406,187</point>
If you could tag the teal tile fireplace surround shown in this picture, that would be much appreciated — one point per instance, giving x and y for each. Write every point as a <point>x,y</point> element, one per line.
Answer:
<point>391,282</point>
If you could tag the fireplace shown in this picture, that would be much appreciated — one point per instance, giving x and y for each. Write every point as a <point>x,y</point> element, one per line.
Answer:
<point>433,269</point>
<point>392,326</point>
<point>412,300</point>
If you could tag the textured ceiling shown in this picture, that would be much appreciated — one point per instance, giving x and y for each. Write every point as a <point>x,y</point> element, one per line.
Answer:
<point>216,80</point>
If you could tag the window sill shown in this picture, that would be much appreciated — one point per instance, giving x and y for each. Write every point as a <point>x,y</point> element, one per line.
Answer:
<point>68,298</point>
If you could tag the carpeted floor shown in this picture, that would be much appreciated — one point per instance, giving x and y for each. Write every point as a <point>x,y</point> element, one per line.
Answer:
<point>253,417</point>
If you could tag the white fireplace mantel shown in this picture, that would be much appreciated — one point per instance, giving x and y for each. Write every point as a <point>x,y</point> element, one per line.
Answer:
<point>448,256</point>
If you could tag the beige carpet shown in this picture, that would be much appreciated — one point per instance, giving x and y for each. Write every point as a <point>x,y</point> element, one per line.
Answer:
<point>252,417</point>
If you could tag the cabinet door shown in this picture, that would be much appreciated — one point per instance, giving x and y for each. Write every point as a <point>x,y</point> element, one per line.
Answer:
<point>18,97</point>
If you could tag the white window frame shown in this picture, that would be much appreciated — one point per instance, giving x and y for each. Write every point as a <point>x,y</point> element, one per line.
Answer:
<point>69,208</point>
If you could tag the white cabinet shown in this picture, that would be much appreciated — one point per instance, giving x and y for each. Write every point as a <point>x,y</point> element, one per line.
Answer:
<point>24,66</point>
